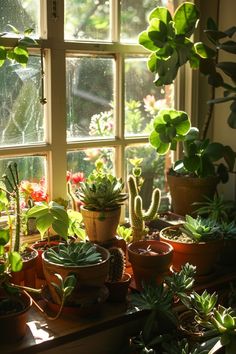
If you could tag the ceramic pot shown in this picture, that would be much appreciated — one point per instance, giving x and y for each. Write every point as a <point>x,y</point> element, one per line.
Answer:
<point>27,275</point>
<point>100,229</point>
<point>89,277</point>
<point>118,290</point>
<point>204,255</point>
<point>150,267</point>
<point>13,325</point>
<point>185,191</point>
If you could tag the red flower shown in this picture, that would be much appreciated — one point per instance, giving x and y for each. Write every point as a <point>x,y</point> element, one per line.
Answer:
<point>77,177</point>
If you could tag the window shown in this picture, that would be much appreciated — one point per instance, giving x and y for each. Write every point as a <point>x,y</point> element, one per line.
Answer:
<point>100,96</point>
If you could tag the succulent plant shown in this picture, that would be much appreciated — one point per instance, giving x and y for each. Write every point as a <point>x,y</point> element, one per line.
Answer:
<point>125,233</point>
<point>136,213</point>
<point>101,191</point>
<point>116,264</point>
<point>200,229</point>
<point>228,230</point>
<point>74,254</point>
<point>203,304</point>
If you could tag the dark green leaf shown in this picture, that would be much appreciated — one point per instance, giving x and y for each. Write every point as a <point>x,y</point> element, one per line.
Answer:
<point>21,55</point>
<point>215,80</point>
<point>60,228</point>
<point>185,18</point>
<point>152,62</point>
<point>223,173</point>
<point>215,35</point>
<point>28,31</point>
<point>229,68</point>
<point>215,151</point>
<point>211,24</point>
<point>229,156</point>
<point>146,42</point>
<point>27,42</point>
<point>230,31</point>
<point>4,236</point>
<point>221,100</point>
<point>3,53</point>
<point>157,32</point>
<point>203,50</point>
<point>191,163</point>
<point>43,223</point>
<point>233,106</point>
<point>229,46</point>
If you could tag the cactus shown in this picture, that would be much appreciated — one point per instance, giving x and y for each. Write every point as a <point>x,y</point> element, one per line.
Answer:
<point>136,213</point>
<point>116,264</point>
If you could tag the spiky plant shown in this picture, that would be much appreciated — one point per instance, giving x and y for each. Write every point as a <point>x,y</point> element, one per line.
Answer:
<point>116,264</point>
<point>136,213</point>
<point>200,229</point>
<point>74,254</point>
<point>101,191</point>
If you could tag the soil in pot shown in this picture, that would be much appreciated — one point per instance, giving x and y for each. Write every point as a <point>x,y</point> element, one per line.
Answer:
<point>151,260</point>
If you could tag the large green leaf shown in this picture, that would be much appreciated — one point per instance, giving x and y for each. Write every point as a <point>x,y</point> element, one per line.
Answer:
<point>161,13</point>
<point>204,51</point>
<point>60,228</point>
<point>192,164</point>
<point>21,55</point>
<point>4,236</point>
<point>155,141</point>
<point>37,210</point>
<point>185,18</point>
<point>146,42</point>
<point>15,261</point>
<point>215,151</point>
<point>60,214</point>
<point>229,46</point>
<point>157,32</point>
<point>43,223</point>
<point>229,68</point>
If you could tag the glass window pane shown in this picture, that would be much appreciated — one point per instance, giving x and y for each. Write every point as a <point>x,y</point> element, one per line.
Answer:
<point>21,113</point>
<point>83,161</point>
<point>87,20</point>
<point>89,97</point>
<point>153,171</point>
<point>134,17</point>
<point>142,99</point>
<point>21,14</point>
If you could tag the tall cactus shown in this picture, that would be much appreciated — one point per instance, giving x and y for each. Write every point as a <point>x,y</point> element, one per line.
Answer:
<point>136,213</point>
<point>116,264</point>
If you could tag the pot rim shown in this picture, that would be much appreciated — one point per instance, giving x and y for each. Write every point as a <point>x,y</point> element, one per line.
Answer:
<point>24,298</point>
<point>78,266</point>
<point>169,249</point>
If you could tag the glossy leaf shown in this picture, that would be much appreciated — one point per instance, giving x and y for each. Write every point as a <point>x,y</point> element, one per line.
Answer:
<point>146,42</point>
<point>161,13</point>
<point>185,18</point>
<point>229,68</point>
<point>61,228</point>
<point>229,46</point>
<point>4,236</point>
<point>43,223</point>
<point>215,151</point>
<point>203,51</point>
<point>15,261</point>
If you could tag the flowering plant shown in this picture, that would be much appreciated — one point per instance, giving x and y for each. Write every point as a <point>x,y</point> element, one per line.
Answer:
<point>32,192</point>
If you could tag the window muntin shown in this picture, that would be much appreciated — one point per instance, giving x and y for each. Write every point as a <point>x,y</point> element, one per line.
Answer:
<point>87,20</point>
<point>21,14</point>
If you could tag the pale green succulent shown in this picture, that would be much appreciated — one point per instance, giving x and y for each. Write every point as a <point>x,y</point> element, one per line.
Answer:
<point>201,229</point>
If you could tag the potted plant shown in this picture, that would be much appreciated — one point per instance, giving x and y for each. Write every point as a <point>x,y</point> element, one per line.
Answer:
<point>197,241</point>
<point>118,280</point>
<point>10,197</point>
<point>87,262</point>
<point>102,197</point>
<point>168,39</point>
<point>14,303</point>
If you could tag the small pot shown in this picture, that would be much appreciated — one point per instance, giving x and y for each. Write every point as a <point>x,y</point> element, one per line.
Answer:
<point>28,273</point>
<point>13,325</point>
<point>150,266</point>
<point>118,290</point>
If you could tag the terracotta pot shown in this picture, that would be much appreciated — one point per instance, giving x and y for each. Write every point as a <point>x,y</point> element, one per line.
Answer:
<point>90,277</point>
<point>41,246</point>
<point>118,290</point>
<point>150,267</point>
<point>27,275</point>
<point>13,325</point>
<point>204,255</point>
<point>185,191</point>
<point>97,229</point>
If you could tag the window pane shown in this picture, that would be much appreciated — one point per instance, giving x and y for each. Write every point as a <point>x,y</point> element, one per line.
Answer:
<point>153,171</point>
<point>21,114</point>
<point>142,99</point>
<point>89,97</point>
<point>22,14</point>
<point>134,17</point>
<point>84,160</point>
<point>32,168</point>
<point>87,20</point>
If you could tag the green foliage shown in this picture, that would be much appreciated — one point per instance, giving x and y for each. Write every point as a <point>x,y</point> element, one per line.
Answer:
<point>50,215</point>
<point>125,233</point>
<point>199,156</point>
<point>116,264</point>
<point>168,40</point>
<point>203,305</point>
<point>19,53</point>
<point>74,254</point>
<point>65,287</point>
<point>201,229</point>
<point>101,191</point>
<point>75,228</point>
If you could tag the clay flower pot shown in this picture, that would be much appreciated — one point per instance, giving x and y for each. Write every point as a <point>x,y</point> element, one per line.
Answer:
<point>101,229</point>
<point>204,255</point>
<point>90,277</point>
<point>118,290</point>
<point>28,273</point>
<point>150,260</point>
<point>13,323</point>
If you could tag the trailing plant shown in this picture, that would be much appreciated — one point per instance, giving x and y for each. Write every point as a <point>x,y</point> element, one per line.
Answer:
<point>101,191</point>
<point>137,215</point>
<point>201,229</point>
<point>116,264</point>
<point>74,254</point>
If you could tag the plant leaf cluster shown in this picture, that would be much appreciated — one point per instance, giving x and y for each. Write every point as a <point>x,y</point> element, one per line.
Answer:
<point>169,40</point>
<point>201,229</point>
<point>74,254</point>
